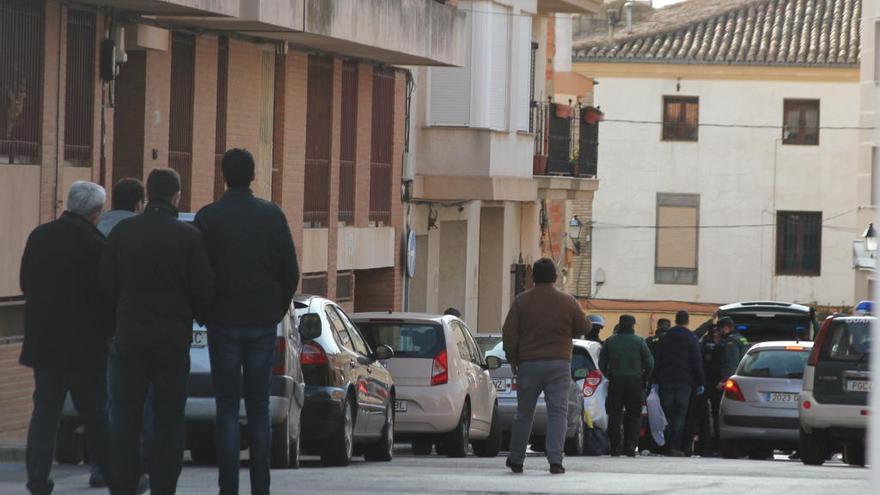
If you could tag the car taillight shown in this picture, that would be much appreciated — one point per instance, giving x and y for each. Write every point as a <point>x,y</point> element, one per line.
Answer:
<point>817,344</point>
<point>732,391</point>
<point>591,382</point>
<point>440,369</point>
<point>279,363</point>
<point>312,355</point>
<point>806,404</point>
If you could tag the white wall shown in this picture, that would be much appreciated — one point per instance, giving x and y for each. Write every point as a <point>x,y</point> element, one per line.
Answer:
<point>743,177</point>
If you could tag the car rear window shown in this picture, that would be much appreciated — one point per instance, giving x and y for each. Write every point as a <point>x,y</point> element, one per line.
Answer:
<point>580,359</point>
<point>848,341</point>
<point>774,363</point>
<point>757,329</point>
<point>407,340</point>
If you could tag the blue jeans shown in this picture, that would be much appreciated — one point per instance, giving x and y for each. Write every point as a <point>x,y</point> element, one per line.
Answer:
<point>675,398</point>
<point>89,393</point>
<point>241,366</point>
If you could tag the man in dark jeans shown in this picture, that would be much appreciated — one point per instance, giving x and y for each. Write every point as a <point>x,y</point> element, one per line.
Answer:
<point>253,255</point>
<point>67,321</point>
<point>157,269</point>
<point>679,373</point>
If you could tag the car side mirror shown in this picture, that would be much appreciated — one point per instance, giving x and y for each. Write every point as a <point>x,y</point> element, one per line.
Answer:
<point>580,374</point>
<point>382,352</point>
<point>310,327</point>
<point>493,362</point>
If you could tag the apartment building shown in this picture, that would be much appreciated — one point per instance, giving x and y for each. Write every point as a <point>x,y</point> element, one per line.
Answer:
<point>865,260</point>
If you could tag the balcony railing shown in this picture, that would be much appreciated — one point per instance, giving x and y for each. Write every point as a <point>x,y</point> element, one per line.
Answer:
<point>566,139</point>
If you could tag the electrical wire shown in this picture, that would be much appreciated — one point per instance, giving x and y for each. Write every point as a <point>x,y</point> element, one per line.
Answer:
<point>612,226</point>
<point>741,126</point>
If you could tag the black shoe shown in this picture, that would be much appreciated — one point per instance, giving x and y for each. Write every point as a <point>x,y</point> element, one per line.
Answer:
<point>97,481</point>
<point>615,452</point>
<point>674,453</point>
<point>629,452</point>
<point>557,469</point>
<point>516,468</point>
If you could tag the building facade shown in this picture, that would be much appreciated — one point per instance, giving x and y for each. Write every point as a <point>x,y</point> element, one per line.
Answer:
<point>869,152</point>
<point>730,151</point>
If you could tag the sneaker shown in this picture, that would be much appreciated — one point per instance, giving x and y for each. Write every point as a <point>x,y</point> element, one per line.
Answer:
<point>143,484</point>
<point>516,468</point>
<point>97,480</point>
<point>557,469</point>
<point>674,453</point>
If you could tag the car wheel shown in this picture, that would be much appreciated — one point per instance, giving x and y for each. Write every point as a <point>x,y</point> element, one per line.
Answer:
<point>440,447</point>
<point>339,449</point>
<point>281,445</point>
<point>204,454</point>
<point>814,448</point>
<point>422,446</point>
<point>854,454</point>
<point>492,444</point>
<point>383,450</point>
<point>69,445</point>
<point>458,439</point>
<point>729,449</point>
<point>574,446</point>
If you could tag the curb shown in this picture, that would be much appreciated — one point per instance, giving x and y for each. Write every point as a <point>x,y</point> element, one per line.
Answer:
<point>12,452</point>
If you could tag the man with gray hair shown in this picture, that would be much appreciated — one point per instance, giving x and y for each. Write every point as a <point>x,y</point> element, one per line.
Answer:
<point>67,323</point>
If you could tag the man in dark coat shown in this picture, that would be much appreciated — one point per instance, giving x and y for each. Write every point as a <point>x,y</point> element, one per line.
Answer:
<point>67,323</point>
<point>678,373</point>
<point>253,256</point>
<point>157,269</point>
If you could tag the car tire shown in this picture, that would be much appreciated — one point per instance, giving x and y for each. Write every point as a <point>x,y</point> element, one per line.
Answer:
<point>340,448</point>
<point>69,445</point>
<point>204,454</point>
<point>422,446</point>
<point>574,446</point>
<point>492,444</point>
<point>854,454</point>
<point>729,449</point>
<point>458,440</point>
<point>383,450</point>
<point>440,447</point>
<point>813,448</point>
<point>280,453</point>
<point>539,444</point>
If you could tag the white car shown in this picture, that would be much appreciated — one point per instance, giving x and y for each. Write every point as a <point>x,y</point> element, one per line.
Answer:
<point>585,357</point>
<point>445,396</point>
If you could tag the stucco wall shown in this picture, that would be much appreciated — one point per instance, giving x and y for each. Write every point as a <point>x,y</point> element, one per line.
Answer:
<point>743,177</point>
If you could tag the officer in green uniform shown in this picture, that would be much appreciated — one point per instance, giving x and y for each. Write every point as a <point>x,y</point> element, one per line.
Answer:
<point>735,347</point>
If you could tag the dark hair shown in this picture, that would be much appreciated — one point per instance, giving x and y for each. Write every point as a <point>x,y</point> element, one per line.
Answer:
<point>163,184</point>
<point>664,323</point>
<point>627,321</point>
<point>682,318</point>
<point>127,193</point>
<point>238,167</point>
<point>452,312</point>
<point>544,271</point>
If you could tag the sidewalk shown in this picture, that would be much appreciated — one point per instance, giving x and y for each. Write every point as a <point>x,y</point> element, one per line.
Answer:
<point>12,452</point>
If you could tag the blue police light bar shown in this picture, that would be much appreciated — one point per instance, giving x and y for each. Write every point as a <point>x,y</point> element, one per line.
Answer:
<point>864,308</point>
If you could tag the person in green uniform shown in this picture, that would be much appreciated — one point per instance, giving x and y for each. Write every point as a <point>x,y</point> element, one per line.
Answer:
<point>735,347</point>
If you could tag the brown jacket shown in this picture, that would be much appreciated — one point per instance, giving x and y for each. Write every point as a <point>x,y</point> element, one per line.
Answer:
<point>540,325</point>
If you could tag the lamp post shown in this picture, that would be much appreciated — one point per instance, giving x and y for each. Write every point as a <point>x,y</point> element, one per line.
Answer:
<point>574,233</point>
<point>870,239</point>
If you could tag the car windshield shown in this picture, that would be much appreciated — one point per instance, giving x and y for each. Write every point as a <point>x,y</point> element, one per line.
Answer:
<point>757,328</point>
<point>409,340</point>
<point>848,340</point>
<point>774,363</point>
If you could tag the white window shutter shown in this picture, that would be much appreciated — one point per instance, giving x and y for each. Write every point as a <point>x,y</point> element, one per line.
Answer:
<point>450,91</point>
<point>522,60</point>
<point>499,68</point>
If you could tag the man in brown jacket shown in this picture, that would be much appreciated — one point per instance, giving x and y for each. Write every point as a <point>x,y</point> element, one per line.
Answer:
<point>537,341</point>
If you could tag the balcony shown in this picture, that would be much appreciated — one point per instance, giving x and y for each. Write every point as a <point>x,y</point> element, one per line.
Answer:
<point>172,7</point>
<point>566,149</point>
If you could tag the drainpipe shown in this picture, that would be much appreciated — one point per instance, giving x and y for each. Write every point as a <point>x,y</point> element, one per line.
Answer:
<point>406,185</point>
<point>58,137</point>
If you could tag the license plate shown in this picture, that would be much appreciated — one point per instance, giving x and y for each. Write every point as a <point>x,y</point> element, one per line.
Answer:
<point>199,339</point>
<point>500,385</point>
<point>783,397</point>
<point>858,385</point>
<point>400,406</point>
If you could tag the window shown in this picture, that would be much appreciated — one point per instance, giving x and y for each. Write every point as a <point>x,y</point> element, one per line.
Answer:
<point>774,363</point>
<point>409,340</point>
<point>681,118</point>
<point>848,341</point>
<point>357,341</point>
<point>476,353</point>
<point>180,120</point>
<point>319,118</point>
<point>220,125</point>
<point>348,145</point>
<point>798,243</point>
<point>581,360</point>
<point>344,286</point>
<point>382,146</point>
<point>314,284</point>
<point>461,342</point>
<point>801,122</point>
<point>338,328</point>
<point>79,95</point>
<point>678,221</point>
<point>21,80</point>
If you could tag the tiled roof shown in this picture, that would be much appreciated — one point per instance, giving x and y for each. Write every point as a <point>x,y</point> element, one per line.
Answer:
<point>762,32</point>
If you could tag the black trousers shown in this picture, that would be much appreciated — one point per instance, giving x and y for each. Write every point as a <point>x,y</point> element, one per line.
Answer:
<point>134,370</point>
<point>703,422</point>
<point>624,406</point>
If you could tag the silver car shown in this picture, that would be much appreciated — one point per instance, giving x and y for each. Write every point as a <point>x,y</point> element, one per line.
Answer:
<point>759,409</point>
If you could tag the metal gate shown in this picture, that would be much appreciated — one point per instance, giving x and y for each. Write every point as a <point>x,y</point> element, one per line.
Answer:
<point>180,139</point>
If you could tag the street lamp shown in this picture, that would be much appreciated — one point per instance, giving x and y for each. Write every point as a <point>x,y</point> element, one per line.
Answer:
<point>574,233</point>
<point>870,239</point>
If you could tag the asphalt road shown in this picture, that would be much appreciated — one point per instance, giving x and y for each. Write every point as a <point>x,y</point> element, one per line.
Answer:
<point>407,474</point>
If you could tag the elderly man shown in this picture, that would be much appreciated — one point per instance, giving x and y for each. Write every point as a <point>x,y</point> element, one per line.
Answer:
<point>67,324</point>
<point>537,337</point>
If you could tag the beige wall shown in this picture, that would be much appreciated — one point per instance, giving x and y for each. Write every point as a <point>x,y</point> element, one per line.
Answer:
<point>20,201</point>
<point>491,269</point>
<point>453,269</point>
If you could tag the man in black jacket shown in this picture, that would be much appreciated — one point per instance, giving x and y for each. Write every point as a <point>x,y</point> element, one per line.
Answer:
<point>67,323</point>
<point>253,255</point>
<point>157,269</point>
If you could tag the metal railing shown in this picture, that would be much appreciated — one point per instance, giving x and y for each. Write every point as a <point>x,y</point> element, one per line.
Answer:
<point>565,144</point>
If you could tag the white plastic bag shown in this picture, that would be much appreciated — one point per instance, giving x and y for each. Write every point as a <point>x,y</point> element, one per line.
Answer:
<point>656,418</point>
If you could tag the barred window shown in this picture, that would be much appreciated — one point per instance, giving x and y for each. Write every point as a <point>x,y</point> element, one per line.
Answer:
<point>799,243</point>
<point>344,286</point>
<point>319,122</point>
<point>801,122</point>
<point>79,96</point>
<point>681,118</point>
<point>314,284</point>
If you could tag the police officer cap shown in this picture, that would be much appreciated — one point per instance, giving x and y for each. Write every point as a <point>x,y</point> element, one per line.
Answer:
<point>597,320</point>
<point>725,322</point>
<point>627,321</point>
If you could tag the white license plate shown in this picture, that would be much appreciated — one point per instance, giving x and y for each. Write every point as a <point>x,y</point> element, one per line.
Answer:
<point>783,397</point>
<point>858,385</point>
<point>200,339</point>
<point>400,406</point>
<point>500,384</point>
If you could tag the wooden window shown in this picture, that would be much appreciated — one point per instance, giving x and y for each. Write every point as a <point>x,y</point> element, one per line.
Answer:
<point>681,118</point>
<point>314,284</point>
<point>382,146</point>
<point>180,120</point>
<point>344,286</point>
<point>799,243</point>
<point>21,80</point>
<point>319,119</point>
<point>348,145</point>
<point>800,122</point>
<point>676,251</point>
<point>220,124</point>
<point>79,99</point>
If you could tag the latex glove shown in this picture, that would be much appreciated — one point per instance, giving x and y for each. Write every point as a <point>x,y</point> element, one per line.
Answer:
<point>655,389</point>
<point>701,390</point>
